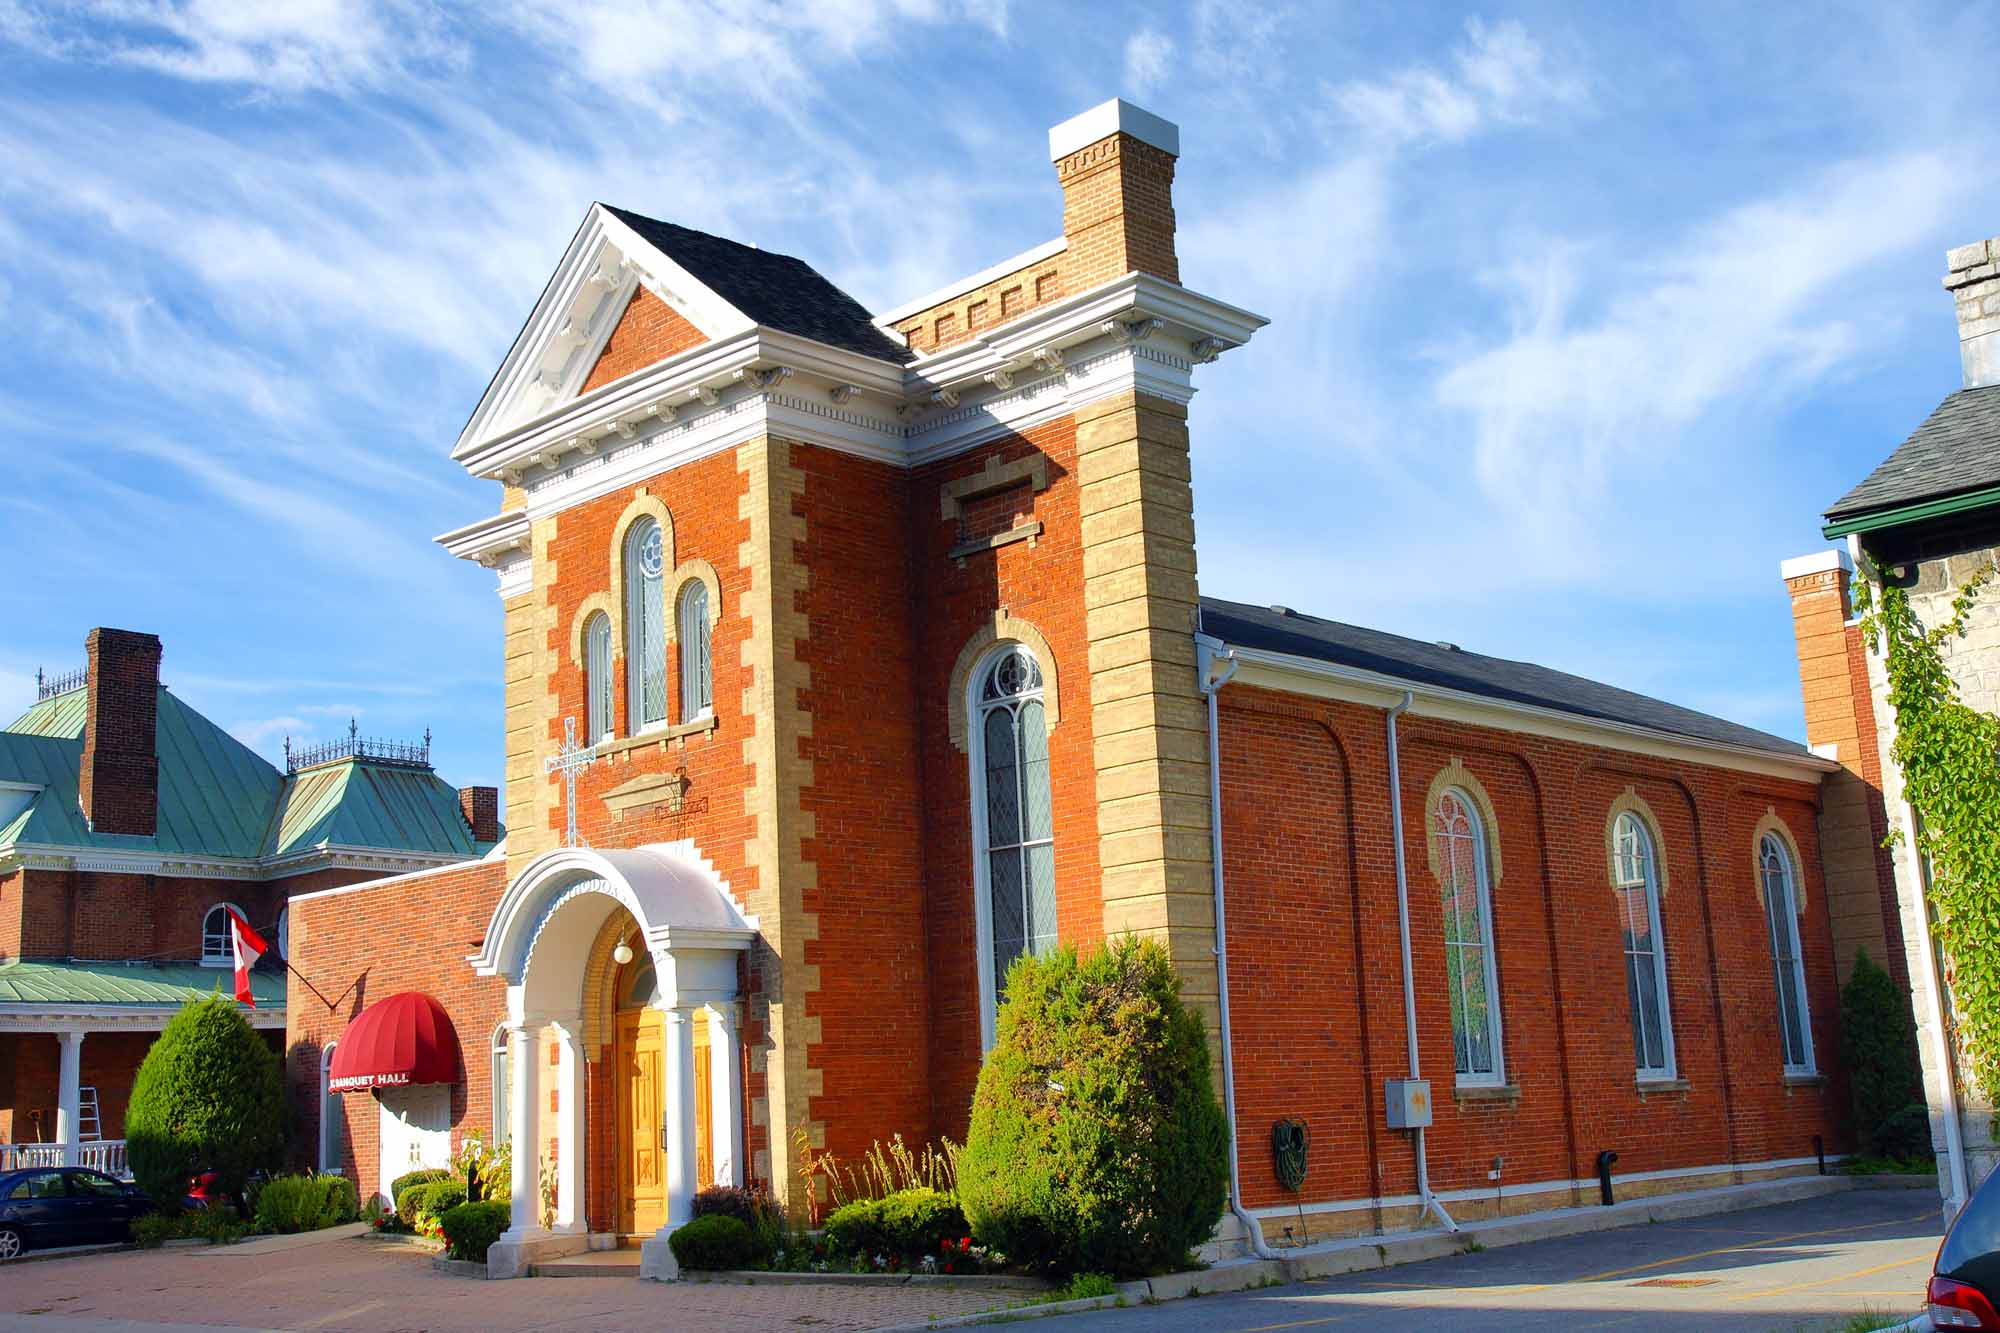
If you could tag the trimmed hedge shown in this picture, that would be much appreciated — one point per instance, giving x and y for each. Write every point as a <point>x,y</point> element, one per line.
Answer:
<point>716,1243</point>
<point>209,1096</point>
<point>306,1203</point>
<point>1879,1048</point>
<point>471,1228</point>
<point>1096,1142</point>
<point>908,1222</point>
<point>435,1199</point>
<point>410,1179</point>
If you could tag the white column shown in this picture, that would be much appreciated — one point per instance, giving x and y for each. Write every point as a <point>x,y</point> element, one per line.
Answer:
<point>569,1128</point>
<point>68,1095</point>
<point>524,1119</point>
<point>725,1095</point>
<point>680,1116</point>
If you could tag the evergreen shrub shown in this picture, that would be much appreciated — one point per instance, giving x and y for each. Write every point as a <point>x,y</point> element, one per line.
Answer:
<point>471,1228</point>
<point>1880,1051</point>
<point>1097,1143</point>
<point>402,1184</point>
<point>906,1223</point>
<point>716,1243</point>
<point>208,1096</point>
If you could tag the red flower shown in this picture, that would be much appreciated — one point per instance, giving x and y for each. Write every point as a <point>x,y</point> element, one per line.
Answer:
<point>964,1244</point>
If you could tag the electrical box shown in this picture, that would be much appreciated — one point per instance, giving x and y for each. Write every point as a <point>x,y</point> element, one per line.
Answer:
<point>1409,1102</point>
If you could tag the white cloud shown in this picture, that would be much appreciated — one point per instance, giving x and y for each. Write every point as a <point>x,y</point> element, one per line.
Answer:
<point>281,48</point>
<point>17,694</point>
<point>1499,75</point>
<point>1614,353</point>
<point>262,733</point>
<point>1149,55</point>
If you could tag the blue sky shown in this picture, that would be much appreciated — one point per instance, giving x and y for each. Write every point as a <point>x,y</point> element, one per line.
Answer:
<point>1581,313</point>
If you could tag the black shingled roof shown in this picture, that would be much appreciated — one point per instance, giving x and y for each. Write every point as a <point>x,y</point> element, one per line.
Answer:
<point>776,291</point>
<point>1956,449</point>
<point>1421,663</point>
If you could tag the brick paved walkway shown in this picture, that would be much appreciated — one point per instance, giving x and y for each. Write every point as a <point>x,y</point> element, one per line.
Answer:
<point>352,1283</point>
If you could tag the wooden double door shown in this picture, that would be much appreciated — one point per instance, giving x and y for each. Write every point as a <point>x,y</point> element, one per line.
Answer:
<point>645,1119</point>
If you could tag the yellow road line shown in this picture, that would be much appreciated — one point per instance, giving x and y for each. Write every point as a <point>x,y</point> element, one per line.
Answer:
<point>1734,1249</point>
<point>1828,1281</point>
<point>1300,1323</point>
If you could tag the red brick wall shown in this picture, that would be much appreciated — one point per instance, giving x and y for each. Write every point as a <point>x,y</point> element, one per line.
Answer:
<point>367,945</point>
<point>703,499</point>
<point>650,330</point>
<point>1315,985</point>
<point>12,902</point>
<point>1868,744</point>
<point>1041,583</point>
<point>125,917</point>
<point>30,1079</point>
<point>866,842</point>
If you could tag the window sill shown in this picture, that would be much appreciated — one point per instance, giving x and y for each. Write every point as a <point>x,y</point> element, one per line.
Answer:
<point>657,735</point>
<point>1487,1092</point>
<point>1026,532</point>
<point>1654,1086</point>
<point>1805,1080</point>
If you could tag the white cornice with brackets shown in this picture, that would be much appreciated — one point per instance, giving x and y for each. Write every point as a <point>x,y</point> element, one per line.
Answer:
<point>120,861</point>
<point>1139,332</point>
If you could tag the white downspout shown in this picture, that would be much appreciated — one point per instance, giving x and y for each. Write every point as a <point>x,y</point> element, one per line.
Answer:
<point>1217,666</point>
<point>1430,1201</point>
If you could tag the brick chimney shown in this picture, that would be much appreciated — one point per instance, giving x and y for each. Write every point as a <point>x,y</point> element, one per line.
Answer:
<point>1116,165</point>
<point>1973,278</point>
<point>481,808</point>
<point>1840,724</point>
<point>118,785</point>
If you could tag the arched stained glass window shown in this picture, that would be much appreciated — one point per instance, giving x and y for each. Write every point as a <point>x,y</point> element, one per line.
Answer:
<point>1781,911</point>
<point>645,627</point>
<point>1013,821</point>
<point>1635,877</point>
<point>597,674</point>
<point>692,630</point>
<point>1470,975</point>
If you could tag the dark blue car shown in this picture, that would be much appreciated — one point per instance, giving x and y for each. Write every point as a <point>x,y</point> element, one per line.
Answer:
<point>45,1207</point>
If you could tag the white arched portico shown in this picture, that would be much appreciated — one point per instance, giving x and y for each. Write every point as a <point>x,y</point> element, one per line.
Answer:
<point>539,940</point>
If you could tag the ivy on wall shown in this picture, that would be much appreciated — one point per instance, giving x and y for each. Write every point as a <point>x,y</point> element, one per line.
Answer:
<point>1949,753</point>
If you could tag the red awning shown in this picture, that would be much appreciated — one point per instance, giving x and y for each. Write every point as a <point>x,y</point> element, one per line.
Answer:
<point>404,1039</point>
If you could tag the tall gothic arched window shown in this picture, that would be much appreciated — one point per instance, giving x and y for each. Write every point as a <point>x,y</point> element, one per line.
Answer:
<point>645,627</point>
<point>1012,821</point>
<point>692,630</point>
<point>597,674</point>
<point>1470,975</point>
<point>1635,878</point>
<point>1781,911</point>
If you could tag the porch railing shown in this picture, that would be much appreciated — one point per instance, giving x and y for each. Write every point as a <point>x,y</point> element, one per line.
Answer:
<point>106,1155</point>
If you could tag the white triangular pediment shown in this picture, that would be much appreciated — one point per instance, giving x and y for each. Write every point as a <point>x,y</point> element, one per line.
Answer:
<point>552,356</point>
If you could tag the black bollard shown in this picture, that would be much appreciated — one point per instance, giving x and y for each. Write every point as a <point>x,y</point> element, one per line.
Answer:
<point>1604,1161</point>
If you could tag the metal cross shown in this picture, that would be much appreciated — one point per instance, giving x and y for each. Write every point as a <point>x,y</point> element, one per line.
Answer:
<point>569,760</point>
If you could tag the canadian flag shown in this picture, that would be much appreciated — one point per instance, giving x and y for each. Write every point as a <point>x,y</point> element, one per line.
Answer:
<point>249,946</point>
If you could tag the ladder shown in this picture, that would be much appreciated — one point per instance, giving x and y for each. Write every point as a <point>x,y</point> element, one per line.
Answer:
<point>87,1128</point>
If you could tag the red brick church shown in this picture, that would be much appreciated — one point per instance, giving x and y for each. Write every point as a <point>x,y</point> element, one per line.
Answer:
<point>873,648</point>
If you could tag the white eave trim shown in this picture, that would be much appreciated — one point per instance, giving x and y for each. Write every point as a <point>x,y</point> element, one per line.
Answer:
<point>1306,675</point>
<point>950,291</point>
<point>390,881</point>
<point>17,1016</point>
<point>488,540</point>
<point>128,861</point>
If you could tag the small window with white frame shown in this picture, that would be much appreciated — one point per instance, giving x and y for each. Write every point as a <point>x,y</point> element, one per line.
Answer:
<point>503,1086</point>
<point>1014,863</point>
<point>217,948</point>
<point>1635,878</point>
<point>597,674</point>
<point>1781,913</point>
<point>332,1117</point>
<point>1465,886</point>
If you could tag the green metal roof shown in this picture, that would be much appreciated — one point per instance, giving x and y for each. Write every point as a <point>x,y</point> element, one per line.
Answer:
<point>218,798</point>
<point>354,803</point>
<point>139,984</point>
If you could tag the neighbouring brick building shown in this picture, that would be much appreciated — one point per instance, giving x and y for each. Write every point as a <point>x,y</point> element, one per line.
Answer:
<point>873,648</point>
<point>1928,519</point>
<point>128,823</point>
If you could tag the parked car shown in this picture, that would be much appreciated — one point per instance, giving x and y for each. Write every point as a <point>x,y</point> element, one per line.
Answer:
<point>1965,1282</point>
<point>45,1207</point>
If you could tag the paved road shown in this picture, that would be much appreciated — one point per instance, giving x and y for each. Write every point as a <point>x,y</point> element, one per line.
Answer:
<point>1808,1265</point>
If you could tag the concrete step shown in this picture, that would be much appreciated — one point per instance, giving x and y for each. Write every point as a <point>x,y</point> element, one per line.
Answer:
<point>593,1263</point>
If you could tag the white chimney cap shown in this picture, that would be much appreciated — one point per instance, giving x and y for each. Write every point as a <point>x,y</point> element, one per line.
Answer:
<point>1113,117</point>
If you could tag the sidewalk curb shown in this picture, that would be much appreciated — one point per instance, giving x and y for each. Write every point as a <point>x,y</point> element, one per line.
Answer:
<point>1363,1253</point>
